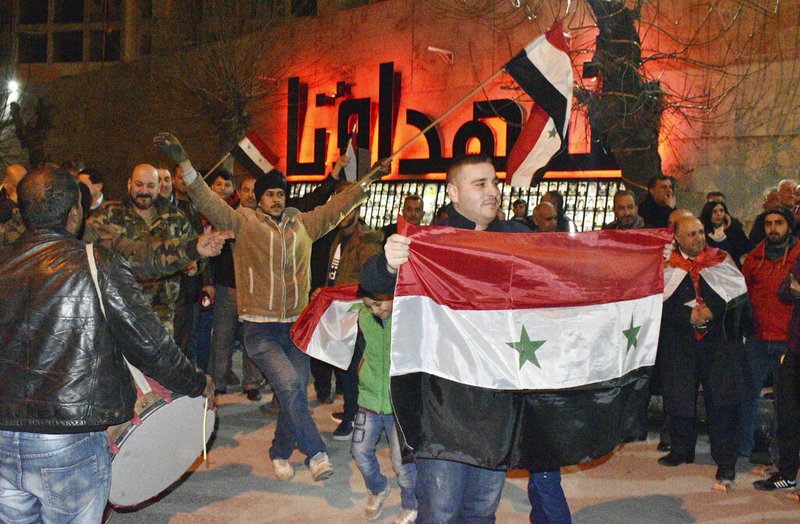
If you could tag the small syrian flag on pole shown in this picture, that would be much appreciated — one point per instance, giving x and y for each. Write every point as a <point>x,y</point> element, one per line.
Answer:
<point>254,155</point>
<point>552,337</point>
<point>328,326</point>
<point>544,71</point>
<point>359,157</point>
<point>351,171</point>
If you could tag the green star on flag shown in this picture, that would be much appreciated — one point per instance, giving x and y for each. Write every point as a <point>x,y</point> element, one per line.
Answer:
<point>552,133</point>
<point>632,335</point>
<point>527,349</point>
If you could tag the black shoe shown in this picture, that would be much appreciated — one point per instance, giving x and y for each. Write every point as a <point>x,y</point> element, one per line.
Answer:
<point>776,481</point>
<point>664,447</point>
<point>674,459</point>
<point>344,431</point>
<point>337,416</point>
<point>725,473</point>
<point>220,392</point>
<point>253,395</point>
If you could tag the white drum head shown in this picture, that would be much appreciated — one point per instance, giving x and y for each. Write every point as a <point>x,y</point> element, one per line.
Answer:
<point>156,453</point>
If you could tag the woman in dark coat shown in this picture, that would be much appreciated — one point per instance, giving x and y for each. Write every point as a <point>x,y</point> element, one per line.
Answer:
<point>723,232</point>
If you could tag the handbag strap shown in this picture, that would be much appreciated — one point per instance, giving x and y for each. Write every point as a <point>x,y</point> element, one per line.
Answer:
<point>138,377</point>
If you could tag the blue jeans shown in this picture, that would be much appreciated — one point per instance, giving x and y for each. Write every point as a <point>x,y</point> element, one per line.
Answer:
<point>454,492</point>
<point>366,434</point>
<point>54,478</point>
<point>287,369</point>
<point>548,503</point>
<point>764,359</point>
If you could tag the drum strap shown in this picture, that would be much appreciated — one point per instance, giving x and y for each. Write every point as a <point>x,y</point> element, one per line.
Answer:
<point>138,376</point>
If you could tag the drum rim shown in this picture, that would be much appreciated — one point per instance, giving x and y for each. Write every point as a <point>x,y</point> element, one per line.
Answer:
<point>120,440</point>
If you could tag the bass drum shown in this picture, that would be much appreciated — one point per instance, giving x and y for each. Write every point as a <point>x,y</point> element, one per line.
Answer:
<point>158,446</point>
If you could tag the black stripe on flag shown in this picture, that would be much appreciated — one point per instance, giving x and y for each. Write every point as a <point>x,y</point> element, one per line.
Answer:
<point>539,88</point>
<point>498,429</point>
<point>246,162</point>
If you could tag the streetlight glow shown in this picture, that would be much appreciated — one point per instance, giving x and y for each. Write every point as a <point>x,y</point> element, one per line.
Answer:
<point>13,86</point>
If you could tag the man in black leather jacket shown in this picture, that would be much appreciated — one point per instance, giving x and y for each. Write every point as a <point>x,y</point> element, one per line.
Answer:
<point>63,379</point>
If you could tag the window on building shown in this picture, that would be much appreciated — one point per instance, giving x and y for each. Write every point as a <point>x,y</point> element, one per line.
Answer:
<point>349,4</point>
<point>68,46</point>
<point>33,12</point>
<point>304,7</point>
<point>32,48</point>
<point>104,47</point>
<point>146,9</point>
<point>104,11</point>
<point>145,45</point>
<point>68,11</point>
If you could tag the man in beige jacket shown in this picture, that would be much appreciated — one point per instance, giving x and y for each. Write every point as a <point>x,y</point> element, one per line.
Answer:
<point>272,258</point>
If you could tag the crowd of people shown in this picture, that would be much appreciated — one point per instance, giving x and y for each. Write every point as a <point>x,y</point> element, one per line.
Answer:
<point>192,266</point>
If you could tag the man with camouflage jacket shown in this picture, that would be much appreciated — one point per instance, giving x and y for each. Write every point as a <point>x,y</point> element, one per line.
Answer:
<point>140,218</point>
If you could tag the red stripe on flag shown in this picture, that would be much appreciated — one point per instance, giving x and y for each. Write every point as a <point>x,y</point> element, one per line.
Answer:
<point>306,323</point>
<point>555,35</point>
<point>530,134</point>
<point>263,148</point>
<point>465,269</point>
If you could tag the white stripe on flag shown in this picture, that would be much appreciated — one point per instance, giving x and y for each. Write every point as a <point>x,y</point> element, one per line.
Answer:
<point>334,338</point>
<point>351,170</point>
<point>253,153</point>
<point>582,345</point>
<point>555,66</point>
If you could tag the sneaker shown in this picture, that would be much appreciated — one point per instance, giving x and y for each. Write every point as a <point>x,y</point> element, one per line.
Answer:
<point>344,431</point>
<point>283,469</point>
<point>375,504</point>
<point>406,516</point>
<point>321,468</point>
<point>776,481</point>
<point>337,416</point>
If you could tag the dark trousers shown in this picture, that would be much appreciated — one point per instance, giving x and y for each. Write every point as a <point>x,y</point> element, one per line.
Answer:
<point>723,420</point>
<point>346,380</point>
<point>322,373</point>
<point>186,315</point>
<point>788,414</point>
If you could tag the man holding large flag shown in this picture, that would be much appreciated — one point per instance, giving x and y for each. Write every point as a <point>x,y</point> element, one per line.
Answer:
<point>452,490</point>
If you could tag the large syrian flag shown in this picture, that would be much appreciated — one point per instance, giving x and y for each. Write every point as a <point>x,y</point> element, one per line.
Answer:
<point>524,350</point>
<point>544,71</point>
<point>254,154</point>
<point>328,326</point>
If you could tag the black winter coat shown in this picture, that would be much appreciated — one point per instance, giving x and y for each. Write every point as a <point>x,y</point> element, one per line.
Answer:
<point>61,362</point>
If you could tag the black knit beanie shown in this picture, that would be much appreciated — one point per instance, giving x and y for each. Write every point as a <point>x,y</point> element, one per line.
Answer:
<point>273,179</point>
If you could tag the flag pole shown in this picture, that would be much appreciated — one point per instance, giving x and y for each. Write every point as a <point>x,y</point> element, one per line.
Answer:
<point>443,116</point>
<point>223,159</point>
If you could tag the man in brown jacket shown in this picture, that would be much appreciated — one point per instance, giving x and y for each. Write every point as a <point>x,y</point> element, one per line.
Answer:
<point>272,261</point>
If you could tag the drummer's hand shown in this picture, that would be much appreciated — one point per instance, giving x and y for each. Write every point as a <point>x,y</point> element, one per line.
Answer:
<point>209,391</point>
